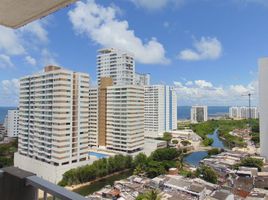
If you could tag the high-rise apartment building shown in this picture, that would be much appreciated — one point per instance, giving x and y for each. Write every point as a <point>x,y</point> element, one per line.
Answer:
<point>243,112</point>
<point>53,122</point>
<point>116,117</point>
<point>199,114</point>
<point>160,110</point>
<point>263,105</point>
<point>93,116</point>
<point>117,64</point>
<point>125,118</point>
<point>12,123</point>
<point>142,79</point>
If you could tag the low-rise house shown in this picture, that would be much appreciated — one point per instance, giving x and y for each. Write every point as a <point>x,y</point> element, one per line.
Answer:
<point>243,186</point>
<point>180,184</point>
<point>221,195</point>
<point>261,181</point>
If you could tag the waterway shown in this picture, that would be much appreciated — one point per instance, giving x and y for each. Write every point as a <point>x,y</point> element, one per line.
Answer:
<point>96,186</point>
<point>194,158</point>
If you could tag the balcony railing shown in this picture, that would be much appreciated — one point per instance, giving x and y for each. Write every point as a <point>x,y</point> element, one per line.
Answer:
<point>17,184</point>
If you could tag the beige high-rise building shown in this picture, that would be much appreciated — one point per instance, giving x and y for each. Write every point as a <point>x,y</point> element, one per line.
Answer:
<point>125,118</point>
<point>53,122</point>
<point>119,123</point>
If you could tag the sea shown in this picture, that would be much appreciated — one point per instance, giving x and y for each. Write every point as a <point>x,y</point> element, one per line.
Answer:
<point>184,112</point>
<point>3,113</point>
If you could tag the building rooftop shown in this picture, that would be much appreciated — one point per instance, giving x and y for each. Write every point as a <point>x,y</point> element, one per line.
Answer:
<point>220,194</point>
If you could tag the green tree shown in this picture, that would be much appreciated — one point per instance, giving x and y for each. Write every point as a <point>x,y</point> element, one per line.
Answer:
<point>165,154</point>
<point>252,162</point>
<point>167,137</point>
<point>214,151</point>
<point>207,173</point>
<point>208,141</point>
<point>185,142</point>
<point>150,195</point>
<point>175,142</point>
<point>154,169</point>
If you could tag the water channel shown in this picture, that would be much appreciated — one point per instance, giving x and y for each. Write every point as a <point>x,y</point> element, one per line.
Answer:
<point>96,186</point>
<point>194,158</point>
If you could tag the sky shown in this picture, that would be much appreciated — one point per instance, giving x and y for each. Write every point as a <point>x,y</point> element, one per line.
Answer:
<point>207,49</point>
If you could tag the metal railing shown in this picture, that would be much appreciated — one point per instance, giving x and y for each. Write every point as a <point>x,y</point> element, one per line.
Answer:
<point>17,184</point>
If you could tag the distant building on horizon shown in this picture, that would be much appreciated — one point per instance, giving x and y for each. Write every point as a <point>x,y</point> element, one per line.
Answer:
<point>160,110</point>
<point>243,112</point>
<point>263,105</point>
<point>12,123</point>
<point>199,114</point>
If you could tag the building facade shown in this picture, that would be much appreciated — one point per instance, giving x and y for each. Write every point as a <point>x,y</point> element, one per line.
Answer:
<point>12,123</point>
<point>117,64</point>
<point>93,116</point>
<point>199,114</point>
<point>125,118</point>
<point>53,122</point>
<point>142,79</point>
<point>160,110</point>
<point>263,105</point>
<point>243,112</point>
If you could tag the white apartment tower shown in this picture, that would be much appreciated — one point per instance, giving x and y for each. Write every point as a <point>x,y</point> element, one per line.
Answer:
<point>117,64</point>
<point>12,123</point>
<point>199,114</point>
<point>263,105</point>
<point>243,112</point>
<point>160,110</point>
<point>125,118</point>
<point>142,79</point>
<point>53,122</point>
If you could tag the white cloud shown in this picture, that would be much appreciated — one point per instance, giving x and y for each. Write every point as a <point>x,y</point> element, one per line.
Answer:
<point>204,92</point>
<point>10,42</point>
<point>37,29</point>
<point>205,49</point>
<point>48,58</point>
<point>166,24</point>
<point>156,4</point>
<point>5,61</point>
<point>189,83</point>
<point>203,84</point>
<point>102,26</point>
<point>23,42</point>
<point>245,2</point>
<point>9,92</point>
<point>30,60</point>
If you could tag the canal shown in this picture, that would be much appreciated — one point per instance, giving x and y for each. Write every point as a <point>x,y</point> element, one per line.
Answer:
<point>96,186</point>
<point>194,158</point>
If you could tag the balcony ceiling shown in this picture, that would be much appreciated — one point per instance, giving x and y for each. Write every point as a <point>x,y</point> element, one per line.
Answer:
<point>16,13</point>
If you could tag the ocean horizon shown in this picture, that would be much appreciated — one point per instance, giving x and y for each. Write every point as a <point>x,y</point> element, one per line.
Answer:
<point>183,112</point>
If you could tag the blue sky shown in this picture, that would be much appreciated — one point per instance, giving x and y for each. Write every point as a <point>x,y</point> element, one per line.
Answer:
<point>207,49</point>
